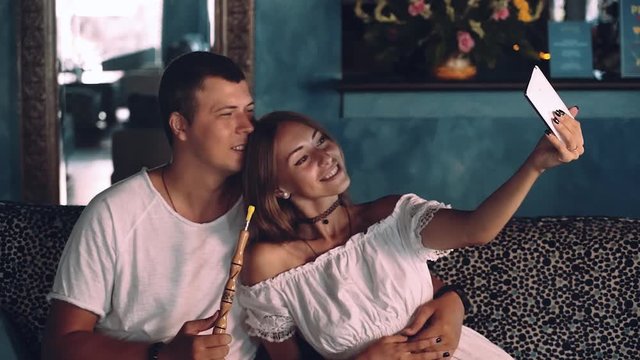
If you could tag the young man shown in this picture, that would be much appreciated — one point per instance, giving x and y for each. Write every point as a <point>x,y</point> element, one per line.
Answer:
<point>144,269</point>
<point>149,257</point>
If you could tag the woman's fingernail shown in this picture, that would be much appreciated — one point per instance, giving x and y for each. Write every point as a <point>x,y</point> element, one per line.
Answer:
<point>445,354</point>
<point>438,339</point>
<point>576,106</point>
<point>555,120</point>
<point>548,132</point>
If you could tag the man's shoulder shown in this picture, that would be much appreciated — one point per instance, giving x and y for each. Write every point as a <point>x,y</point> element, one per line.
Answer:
<point>126,192</point>
<point>123,198</point>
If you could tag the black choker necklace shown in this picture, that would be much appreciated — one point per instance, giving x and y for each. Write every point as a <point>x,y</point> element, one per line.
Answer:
<point>324,214</point>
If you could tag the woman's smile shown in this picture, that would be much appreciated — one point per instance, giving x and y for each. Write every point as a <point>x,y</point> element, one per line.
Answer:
<point>332,173</point>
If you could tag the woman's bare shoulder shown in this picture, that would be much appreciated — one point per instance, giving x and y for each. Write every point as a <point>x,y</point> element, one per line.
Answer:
<point>265,260</point>
<point>378,209</point>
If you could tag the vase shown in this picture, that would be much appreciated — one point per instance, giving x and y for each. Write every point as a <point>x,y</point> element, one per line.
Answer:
<point>456,67</point>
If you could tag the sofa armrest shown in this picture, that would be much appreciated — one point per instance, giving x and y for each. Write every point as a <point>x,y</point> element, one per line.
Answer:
<point>10,346</point>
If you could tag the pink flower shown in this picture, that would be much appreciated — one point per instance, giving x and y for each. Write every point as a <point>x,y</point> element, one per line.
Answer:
<point>465,42</point>
<point>416,7</point>
<point>500,14</point>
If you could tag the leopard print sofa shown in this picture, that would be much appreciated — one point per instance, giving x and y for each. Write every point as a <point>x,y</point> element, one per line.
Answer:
<point>31,241</point>
<point>555,288</point>
<point>546,288</point>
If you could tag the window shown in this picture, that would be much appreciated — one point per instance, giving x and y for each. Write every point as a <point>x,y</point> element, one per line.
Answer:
<point>90,32</point>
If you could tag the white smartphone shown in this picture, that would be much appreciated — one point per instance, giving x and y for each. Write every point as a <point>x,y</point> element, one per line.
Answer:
<point>544,99</point>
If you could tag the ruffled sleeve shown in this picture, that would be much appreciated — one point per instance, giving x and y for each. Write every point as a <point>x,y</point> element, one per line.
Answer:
<point>268,317</point>
<point>414,213</point>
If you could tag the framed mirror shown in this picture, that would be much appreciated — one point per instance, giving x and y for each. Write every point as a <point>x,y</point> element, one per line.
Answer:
<point>42,158</point>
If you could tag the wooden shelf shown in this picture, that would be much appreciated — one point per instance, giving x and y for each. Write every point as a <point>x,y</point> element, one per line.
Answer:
<point>348,86</point>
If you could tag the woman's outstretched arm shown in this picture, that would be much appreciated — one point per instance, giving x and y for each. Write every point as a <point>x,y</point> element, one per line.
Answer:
<point>454,228</point>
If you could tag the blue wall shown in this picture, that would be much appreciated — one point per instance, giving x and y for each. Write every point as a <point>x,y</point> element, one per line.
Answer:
<point>297,57</point>
<point>9,125</point>
<point>460,146</point>
<point>456,147</point>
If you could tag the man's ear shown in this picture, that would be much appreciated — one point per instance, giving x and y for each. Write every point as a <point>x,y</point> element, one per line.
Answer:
<point>282,194</point>
<point>178,125</point>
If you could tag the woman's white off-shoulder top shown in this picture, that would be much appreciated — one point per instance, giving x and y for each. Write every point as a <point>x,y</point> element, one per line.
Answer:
<point>353,294</point>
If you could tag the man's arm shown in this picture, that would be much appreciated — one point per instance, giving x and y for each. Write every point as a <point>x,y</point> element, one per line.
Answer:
<point>285,350</point>
<point>70,335</point>
<point>438,320</point>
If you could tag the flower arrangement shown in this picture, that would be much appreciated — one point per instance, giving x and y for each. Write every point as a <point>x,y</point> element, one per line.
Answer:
<point>453,34</point>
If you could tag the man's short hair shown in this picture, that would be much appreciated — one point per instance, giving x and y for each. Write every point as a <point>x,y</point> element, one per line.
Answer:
<point>183,76</point>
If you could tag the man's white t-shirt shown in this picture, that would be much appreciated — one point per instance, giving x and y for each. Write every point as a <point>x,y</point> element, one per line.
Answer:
<point>145,270</point>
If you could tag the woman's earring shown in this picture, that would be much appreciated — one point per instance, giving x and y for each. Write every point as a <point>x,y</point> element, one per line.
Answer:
<point>282,194</point>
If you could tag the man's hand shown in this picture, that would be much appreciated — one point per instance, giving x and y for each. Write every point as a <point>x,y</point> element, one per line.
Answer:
<point>439,323</point>
<point>189,345</point>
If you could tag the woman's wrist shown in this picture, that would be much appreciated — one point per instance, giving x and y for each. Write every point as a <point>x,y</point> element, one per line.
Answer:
<point>531,166</point>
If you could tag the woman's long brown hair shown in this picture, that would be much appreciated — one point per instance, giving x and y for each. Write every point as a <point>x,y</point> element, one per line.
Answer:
<point>275,219</point>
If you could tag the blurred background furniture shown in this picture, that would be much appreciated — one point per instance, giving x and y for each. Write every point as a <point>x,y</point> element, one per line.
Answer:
<point>141,142</point>
<point>83,106</point>
<point>135,148</point>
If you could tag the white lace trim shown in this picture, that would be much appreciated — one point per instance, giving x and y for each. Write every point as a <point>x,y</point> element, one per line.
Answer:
<point>429,209</point>
<point>274,328</point>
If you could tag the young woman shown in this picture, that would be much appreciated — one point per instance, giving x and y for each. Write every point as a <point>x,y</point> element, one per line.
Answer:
<point>348,277</point>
